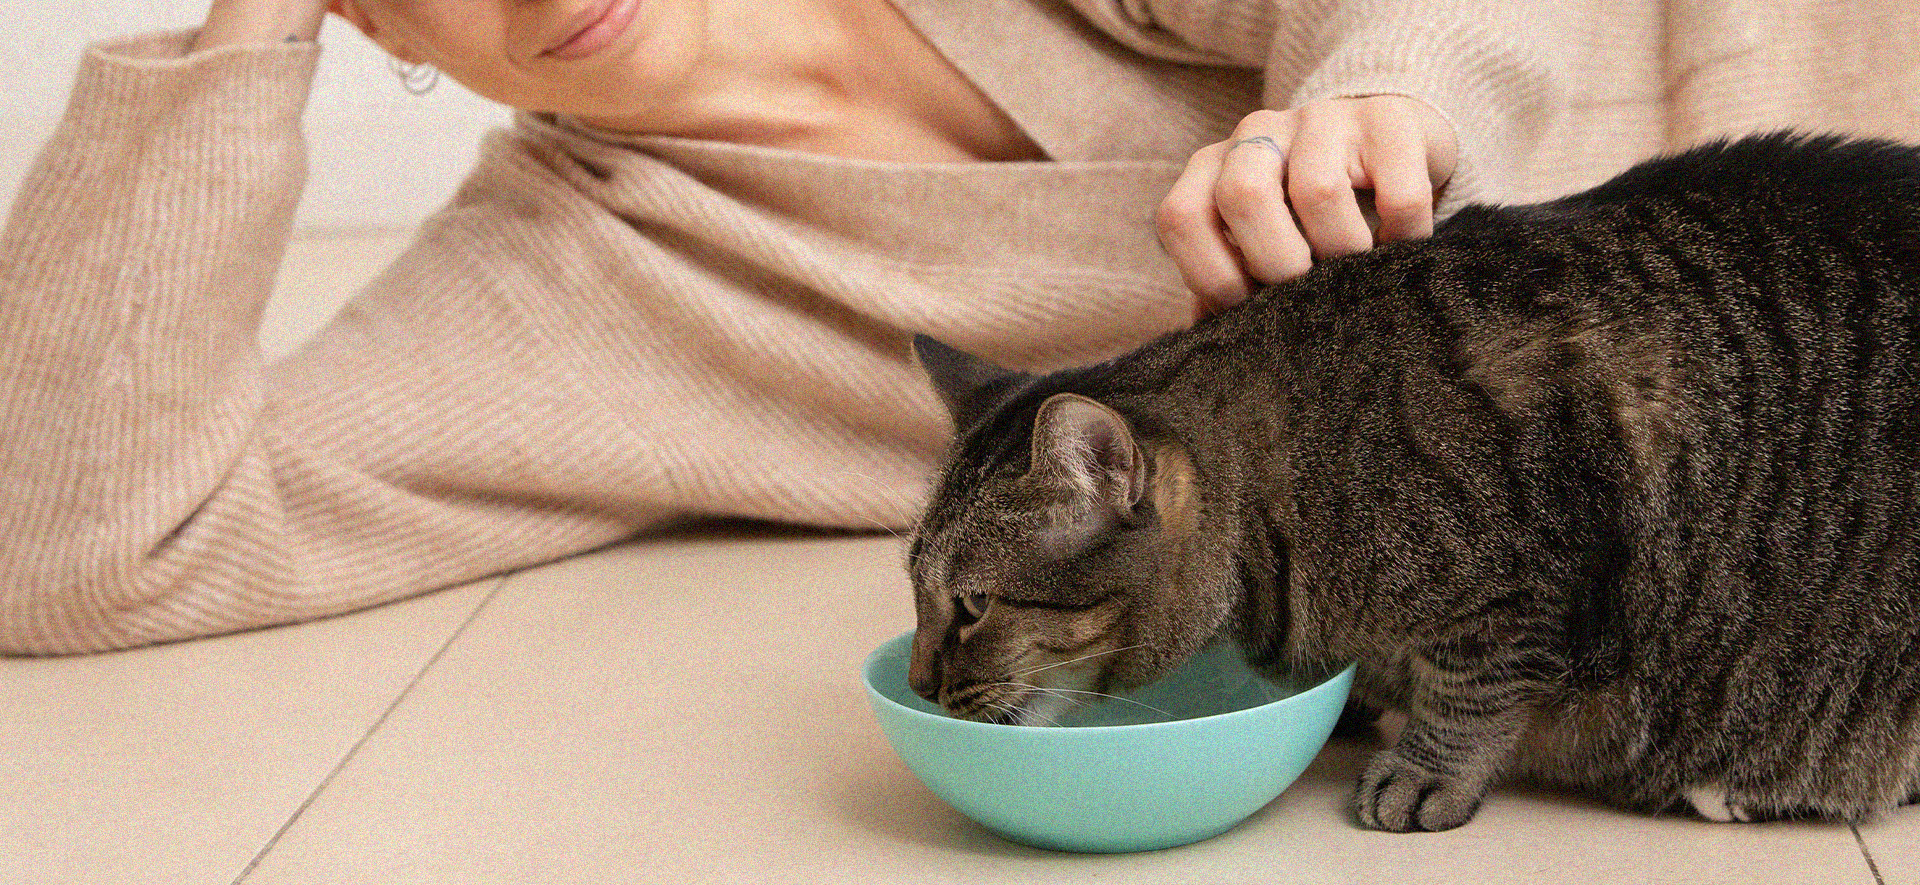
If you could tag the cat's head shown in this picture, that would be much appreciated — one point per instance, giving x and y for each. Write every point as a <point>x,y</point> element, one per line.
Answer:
<point>1057,556</point>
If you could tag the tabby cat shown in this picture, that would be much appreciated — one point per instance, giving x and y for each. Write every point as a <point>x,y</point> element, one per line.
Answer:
<point>1616,491</point>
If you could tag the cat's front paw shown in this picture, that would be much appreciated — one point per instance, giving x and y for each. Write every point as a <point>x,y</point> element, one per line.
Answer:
<point>1400,797</point>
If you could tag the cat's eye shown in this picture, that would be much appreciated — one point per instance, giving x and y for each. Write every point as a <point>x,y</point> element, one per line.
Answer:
<point>972,606</point>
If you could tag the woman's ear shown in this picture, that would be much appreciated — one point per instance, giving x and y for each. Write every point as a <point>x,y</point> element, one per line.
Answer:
<point>351,11</point>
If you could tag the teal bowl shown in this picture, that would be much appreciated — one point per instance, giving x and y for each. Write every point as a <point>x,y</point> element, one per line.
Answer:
<point>1178,761</point>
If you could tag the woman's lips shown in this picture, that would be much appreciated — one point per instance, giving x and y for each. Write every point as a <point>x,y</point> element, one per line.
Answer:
<point>603,23</point>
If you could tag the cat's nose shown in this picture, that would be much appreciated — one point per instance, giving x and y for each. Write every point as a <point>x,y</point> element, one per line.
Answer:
<point>923,667</point>
<point>924,677</point>
<point>924,683</point>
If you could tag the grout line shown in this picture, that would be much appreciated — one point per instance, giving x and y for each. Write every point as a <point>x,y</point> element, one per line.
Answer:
<point>1872,867</point>
<point>373,729</point>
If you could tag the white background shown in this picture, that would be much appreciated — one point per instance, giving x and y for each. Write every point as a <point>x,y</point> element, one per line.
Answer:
<point>381,158</point>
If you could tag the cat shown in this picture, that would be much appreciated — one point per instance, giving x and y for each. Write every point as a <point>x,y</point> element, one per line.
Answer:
<point>1615,492</point>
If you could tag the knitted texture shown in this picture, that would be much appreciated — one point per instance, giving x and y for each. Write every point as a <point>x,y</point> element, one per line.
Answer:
<point>596,336</point>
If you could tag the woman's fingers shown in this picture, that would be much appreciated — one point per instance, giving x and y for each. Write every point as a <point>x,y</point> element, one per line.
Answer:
<point>1251,197</point>
<point>1321,179</point>
<point>1196,238</point>
<point>1285,190</point>
<point>1399,165</point>
<point>1225,222</point>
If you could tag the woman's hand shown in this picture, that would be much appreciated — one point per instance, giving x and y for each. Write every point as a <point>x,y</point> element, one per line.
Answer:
<point>1261,206</point>
<point>244,22</point>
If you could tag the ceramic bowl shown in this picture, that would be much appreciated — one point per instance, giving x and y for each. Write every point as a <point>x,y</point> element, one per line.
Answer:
<point>1178,761</point>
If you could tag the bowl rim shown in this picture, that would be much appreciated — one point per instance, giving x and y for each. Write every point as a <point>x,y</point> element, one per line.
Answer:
<point>1341,675</point>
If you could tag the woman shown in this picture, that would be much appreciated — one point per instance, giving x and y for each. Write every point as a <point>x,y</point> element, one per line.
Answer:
<point>681,285</point>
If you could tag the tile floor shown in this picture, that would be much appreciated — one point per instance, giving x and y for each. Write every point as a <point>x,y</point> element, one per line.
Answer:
<point>681,709</point>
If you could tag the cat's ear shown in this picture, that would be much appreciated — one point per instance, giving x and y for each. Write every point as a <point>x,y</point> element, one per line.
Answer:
<point>1088,450</point>
<point>969,385</point>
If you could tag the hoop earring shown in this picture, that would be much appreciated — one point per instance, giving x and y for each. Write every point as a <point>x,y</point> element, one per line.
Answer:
<point>418,79</point>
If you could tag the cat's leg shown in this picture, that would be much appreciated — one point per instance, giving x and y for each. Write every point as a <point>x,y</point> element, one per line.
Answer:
<point>1435,777</point>
<point>1460,734</point>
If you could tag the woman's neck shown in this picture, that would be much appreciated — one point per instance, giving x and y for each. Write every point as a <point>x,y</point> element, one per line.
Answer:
<point>847,78</point>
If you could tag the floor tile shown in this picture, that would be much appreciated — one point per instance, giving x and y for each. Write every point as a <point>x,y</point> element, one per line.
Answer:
<point>1893,843</point>
<point>177,764</point>
<point>637,715</point>
<point>687,710</point>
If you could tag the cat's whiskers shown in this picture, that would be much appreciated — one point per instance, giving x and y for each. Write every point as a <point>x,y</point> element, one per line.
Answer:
<point>1032,716</point>
<point>1099,694</point>
<point>906,509</point>
<point>1015,716</point>
<point>1111,651</point>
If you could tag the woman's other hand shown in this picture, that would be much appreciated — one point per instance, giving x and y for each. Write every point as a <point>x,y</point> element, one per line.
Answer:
<point>1261,206</point>
<point>244,22</point>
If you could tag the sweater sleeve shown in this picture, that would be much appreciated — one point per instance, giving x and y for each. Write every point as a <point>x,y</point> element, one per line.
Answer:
<point>157,481</point>
<point>133,271</point>
<point>1494,71</point>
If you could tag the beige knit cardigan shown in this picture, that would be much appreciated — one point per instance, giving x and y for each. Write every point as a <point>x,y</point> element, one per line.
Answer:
<point>596,336</point>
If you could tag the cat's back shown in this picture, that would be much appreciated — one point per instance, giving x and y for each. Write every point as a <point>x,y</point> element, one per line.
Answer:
<point>1750,311</point>
<point>1740,325</point>
<point>1748,200</point>
<point>1747,263</point>
<point>1855,174</point>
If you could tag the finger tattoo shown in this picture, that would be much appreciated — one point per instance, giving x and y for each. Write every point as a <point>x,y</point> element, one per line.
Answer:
<point>1265,141</point>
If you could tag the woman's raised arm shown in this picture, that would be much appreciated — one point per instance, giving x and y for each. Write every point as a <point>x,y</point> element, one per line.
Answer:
<point>247,22</point>
<point>157,480</point>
